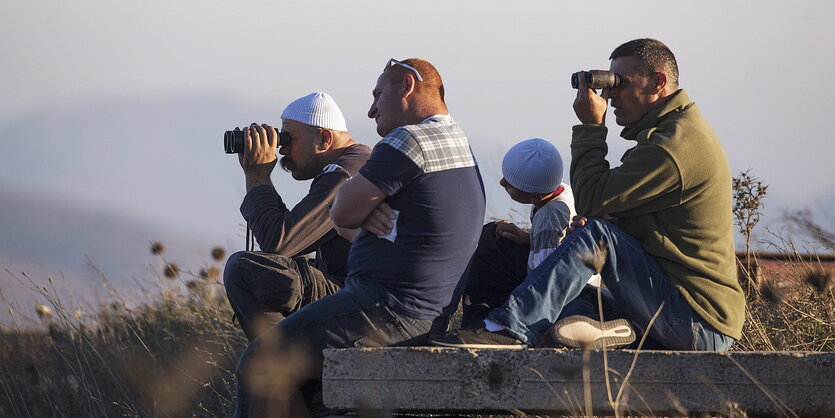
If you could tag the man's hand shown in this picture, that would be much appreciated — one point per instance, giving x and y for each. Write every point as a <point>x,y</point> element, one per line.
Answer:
<point>347,233</point>
<point>576,222</point>
<point>589,107</point>
<point>580,221</point>
<point>258,158</point>
<point>507,230</point>
<point>380,220</point>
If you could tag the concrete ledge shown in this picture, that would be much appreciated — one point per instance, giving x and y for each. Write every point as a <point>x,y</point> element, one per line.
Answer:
<point>427,379</point>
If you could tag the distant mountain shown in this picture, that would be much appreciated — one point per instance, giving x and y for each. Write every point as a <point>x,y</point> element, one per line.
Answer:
<point>45,236</point>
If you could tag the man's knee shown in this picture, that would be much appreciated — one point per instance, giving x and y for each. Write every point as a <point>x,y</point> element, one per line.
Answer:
<point>488,230</point>
<point>270,279</point>
<point>231,275</point>
<point>490,245</point>
<point>243,269</point>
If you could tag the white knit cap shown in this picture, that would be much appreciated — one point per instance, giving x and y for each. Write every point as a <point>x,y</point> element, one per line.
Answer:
<point>316,109</point>
<point>533,166</point>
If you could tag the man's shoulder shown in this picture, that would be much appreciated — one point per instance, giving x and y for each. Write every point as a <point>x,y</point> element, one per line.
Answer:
<point>435,144</point>
<point>402,139</point>
<point>433,124</point>
<point>681,116</point>
<point>354,157</point>
<point>684,127</point>
<point>438,128</point>
<point>349,162</point>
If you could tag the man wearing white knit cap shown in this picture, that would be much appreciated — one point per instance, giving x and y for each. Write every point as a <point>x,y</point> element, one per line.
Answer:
<point>265,287</point>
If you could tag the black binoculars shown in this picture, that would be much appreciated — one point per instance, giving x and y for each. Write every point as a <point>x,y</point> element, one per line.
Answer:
<point>597,79</point>
<point>233,141</point>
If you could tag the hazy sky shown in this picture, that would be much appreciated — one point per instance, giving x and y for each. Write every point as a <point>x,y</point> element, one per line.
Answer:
<point>115,110</point>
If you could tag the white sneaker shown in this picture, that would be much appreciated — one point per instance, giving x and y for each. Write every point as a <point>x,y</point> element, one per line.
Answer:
<point>582,332</point>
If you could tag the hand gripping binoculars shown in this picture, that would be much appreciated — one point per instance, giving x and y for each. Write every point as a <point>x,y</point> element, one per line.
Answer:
<point>233,141</point>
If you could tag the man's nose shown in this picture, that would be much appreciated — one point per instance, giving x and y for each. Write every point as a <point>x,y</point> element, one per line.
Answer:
<point>372,113</point>
<point>284,149</point>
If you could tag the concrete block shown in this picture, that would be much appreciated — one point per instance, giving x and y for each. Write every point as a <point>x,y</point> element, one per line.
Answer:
<point>429,379</point>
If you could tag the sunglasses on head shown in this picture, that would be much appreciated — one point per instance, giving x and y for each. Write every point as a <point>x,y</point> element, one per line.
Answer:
<point>404,65</point>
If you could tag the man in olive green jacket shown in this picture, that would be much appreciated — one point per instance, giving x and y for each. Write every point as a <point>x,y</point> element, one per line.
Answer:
<point>658,228</point>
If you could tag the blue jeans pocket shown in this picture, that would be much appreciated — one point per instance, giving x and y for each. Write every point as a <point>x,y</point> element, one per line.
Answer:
<point>678,335</point>
<point>706,338</point>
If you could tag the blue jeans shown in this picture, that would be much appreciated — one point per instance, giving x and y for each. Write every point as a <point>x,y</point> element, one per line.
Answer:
<point>636,287</point>
<point>355,316</point>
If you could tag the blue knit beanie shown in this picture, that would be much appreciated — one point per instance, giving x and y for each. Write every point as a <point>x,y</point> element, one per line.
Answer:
<point>533,166</point>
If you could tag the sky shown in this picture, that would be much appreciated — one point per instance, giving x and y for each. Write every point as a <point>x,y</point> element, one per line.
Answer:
<point>112,113</point>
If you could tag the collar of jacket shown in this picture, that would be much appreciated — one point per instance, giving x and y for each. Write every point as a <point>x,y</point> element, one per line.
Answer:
<point>679,101</point>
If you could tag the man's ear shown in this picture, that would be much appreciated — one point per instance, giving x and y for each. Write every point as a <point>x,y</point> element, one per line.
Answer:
<point>326,139</point>
<point>408,85</point>
<point>659,82</point>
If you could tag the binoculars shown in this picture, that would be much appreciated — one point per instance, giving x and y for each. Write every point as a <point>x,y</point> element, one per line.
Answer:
<point>233,141</point>
<point>597,79</point>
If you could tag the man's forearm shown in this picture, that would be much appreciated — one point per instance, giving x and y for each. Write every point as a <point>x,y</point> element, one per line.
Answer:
<point>253,181</point>
<point>264,212</point>
<point>354,202</point>
<point>588,167</point>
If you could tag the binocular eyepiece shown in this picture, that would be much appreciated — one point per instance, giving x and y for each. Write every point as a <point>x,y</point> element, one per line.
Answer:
<point>233,141</point>
<point>597,79</point>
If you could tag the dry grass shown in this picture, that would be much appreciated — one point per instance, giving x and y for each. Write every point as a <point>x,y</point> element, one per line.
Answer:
<point>793,306</point>
<point>176,355</point>
<point>172,358</point>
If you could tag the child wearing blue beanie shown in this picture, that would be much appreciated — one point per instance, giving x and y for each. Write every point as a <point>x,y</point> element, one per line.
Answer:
<point>532,174</point>
<point>532,171</point>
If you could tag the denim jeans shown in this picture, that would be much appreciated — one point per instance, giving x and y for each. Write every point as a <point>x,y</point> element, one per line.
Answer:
<point>636,287</point>
<point>355,316</point>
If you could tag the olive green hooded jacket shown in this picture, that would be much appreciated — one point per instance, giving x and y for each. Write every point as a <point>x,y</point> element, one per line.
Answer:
<point>672,192</point>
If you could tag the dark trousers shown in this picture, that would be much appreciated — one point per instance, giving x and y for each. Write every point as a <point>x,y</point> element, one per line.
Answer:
<point>265,288</point>
<point>496,268</point>
<point>289,356</point>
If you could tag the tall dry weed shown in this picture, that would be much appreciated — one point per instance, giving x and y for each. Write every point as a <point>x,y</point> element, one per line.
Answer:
<point>791,307</point>
<point>173,356</point>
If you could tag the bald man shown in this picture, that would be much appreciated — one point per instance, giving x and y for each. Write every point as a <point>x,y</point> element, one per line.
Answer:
<point>420,201</point>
